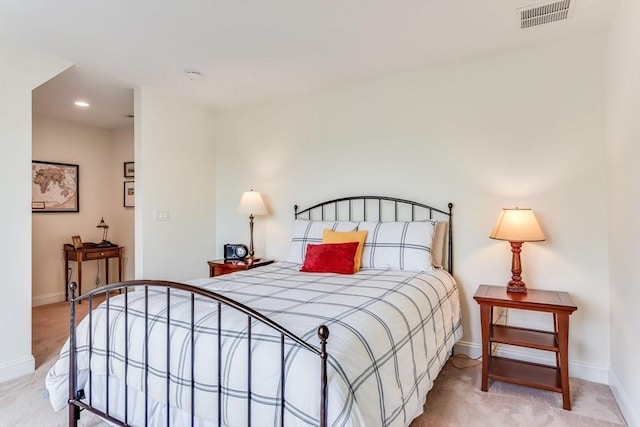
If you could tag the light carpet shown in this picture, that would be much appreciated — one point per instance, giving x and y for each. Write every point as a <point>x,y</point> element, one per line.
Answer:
<point>455,400</point>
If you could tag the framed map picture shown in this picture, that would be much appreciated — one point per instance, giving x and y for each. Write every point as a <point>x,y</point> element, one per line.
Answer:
<point>54,187</point>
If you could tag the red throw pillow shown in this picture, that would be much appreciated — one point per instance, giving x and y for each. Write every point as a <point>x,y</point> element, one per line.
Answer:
<point>330,258</point>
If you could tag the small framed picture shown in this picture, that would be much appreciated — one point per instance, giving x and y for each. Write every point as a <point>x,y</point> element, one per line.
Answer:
<point>129,170</point>
<point>129,194</point>
<point>77,242</point>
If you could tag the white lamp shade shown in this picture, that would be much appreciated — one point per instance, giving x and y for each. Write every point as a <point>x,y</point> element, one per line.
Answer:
<point>251,203</point>
<point>517,225</point>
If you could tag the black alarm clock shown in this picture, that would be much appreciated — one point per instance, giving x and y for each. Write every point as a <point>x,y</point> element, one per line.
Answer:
<point>235,251</point>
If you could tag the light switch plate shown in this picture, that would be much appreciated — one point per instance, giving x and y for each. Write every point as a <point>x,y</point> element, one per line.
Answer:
<point>160,215</point>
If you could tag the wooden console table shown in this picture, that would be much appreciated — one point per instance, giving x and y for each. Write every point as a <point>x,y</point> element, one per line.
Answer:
<point>90,253</point>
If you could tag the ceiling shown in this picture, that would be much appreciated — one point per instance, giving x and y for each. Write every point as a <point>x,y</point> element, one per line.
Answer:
<point>256,51</point>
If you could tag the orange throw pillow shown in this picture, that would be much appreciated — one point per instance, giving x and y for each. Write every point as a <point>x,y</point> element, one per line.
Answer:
<point>329,236</point>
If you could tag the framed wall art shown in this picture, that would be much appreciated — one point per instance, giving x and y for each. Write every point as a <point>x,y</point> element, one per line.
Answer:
<point>55,187</point>
<point>129,170</point>
<point>129,194</point>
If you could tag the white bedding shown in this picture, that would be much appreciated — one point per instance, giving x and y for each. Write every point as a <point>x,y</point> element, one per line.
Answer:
<point>390,334</point>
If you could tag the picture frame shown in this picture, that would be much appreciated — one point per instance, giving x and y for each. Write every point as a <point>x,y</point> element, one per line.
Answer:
<point>55,187</point>
<point>77,242</point>
<point>129,199</point>
<point>129,170</point>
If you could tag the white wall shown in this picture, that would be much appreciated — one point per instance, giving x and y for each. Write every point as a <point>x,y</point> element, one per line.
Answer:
<point>175,173</point>
<point>21,70</point>
<point>524,129</point>
<point>101,177</point>
<point>623,143</point>
<point>121,219</point>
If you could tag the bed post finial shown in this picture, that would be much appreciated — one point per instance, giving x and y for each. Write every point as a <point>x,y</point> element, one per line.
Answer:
<point>72,287</point>
<point>323,334</point>
<point>295,211</point>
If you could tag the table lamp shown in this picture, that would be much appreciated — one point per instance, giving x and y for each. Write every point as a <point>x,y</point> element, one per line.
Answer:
<point>516,226</point>
<point>251,204</point>
<point>105,230</point>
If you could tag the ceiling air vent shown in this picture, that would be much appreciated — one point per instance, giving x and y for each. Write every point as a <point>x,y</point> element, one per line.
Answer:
<point>544,14</point>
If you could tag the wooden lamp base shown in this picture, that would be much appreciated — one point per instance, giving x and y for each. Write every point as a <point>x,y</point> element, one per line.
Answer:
<point>516,284</point>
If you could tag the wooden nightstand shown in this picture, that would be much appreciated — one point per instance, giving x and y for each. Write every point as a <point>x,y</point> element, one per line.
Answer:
<point>554,378</point>
<point>219,267</point>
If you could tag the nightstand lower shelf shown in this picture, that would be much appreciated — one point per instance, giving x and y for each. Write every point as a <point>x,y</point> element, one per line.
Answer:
<point>525,373</point>
<point>524,337</point>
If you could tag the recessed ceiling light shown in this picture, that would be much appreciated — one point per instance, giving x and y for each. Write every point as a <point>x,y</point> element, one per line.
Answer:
<point>81,104</point>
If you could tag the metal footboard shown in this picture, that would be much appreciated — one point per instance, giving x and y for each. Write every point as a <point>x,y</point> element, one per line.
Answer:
<point>79,401</point>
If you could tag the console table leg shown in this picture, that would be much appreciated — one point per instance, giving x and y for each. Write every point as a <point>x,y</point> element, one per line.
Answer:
<point>485,322</point>
<point>120,264</point>
<point>563,347</point>
<point>79,261</point>
<point>66,278</point>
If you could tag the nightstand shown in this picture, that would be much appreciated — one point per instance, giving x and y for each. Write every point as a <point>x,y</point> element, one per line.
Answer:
<point>219,267</point>
<point>553,378</point>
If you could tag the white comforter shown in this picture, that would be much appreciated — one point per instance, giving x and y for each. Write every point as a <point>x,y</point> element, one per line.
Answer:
<point>390,334</point>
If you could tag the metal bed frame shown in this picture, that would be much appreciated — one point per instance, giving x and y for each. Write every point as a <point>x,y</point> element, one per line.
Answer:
<point>78,401</point>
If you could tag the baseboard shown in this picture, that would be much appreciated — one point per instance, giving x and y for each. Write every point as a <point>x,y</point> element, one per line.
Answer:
<point>630,413</point>
<point>580,370</point>
<point>47,299</point>
<point>17,368</point>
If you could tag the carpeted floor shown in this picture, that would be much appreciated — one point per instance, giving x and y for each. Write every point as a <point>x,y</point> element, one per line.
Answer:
<point>455,400</point>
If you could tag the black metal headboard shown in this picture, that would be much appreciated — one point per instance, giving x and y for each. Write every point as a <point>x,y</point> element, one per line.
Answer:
<point>380,208</point>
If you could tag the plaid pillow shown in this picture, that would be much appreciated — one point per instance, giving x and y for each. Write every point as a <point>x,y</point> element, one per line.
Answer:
<point>398,245</point>
<point>305,232</point>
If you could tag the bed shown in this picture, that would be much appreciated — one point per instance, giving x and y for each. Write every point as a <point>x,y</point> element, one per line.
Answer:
<point>276,345</point>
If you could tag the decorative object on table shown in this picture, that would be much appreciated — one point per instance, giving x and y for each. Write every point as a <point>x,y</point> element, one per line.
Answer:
<point>235,251</point>
<point>77,242</point>
<point>54,187</point>
<point>251,204</point>
<point>105,230</point>
<point>129,193</point>
<point>129,170</point>
<point>517,225</point>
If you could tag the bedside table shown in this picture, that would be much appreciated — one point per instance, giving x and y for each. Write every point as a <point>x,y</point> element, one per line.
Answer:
<point>553,378</point>
<point>219,267</point>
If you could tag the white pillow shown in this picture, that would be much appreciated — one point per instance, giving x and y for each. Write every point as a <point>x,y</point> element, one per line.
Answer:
<point>305,232</point>
<point>398,245</point>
